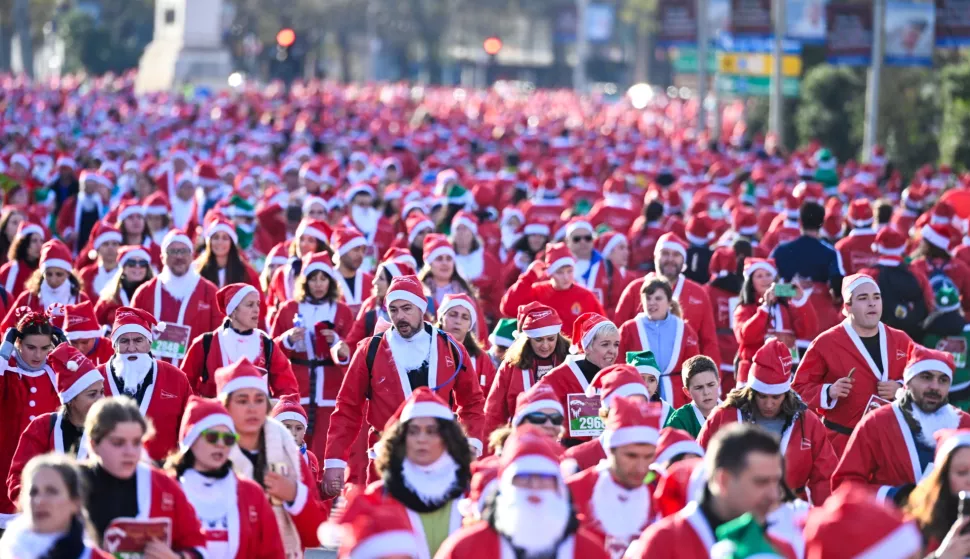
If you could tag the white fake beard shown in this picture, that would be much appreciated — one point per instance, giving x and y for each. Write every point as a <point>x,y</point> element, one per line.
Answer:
<point>179,287</point>
<point>430,483</point>
<point>944,418</point>
<point>409,354</point>
<point>623,518</point>
<point>88,201</point>
<point>365,219</point>
<point>133,373</point>
<point>535,528</point>
<point>49,295</point>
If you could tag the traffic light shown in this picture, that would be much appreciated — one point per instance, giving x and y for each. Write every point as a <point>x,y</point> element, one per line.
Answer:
<point>284,40</point>
<point>492,46</point>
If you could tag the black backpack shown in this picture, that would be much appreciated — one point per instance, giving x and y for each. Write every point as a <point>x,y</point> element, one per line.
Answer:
<point>207,345</point>
<point>903,305</point>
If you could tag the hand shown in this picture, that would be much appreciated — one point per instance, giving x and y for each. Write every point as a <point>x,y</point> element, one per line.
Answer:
<point>295,334</point>
<point>333,481</point>
<point>329,335</point>
<point>157,550</point>
<point>887,390</point>
<point>340,352</point>
<point>769,296</point>
<point>279,487</point>
<point>955,545</point>
<point>841,388</point>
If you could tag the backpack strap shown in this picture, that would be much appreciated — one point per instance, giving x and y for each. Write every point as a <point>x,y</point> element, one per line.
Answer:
<point>370,321</point>
<point>206,346</point>
<point>4,296</point>
<point>372,346</point>
<point>267,351</point>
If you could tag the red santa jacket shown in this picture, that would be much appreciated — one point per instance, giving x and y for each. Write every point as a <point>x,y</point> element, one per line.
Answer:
<point>89,283</point>
<point>13,276</point>
<point>105,309</point>
<point>385,387</point>
<point>585,455</point>
<point>962,252</point>
<point>882,452</point>
<point>854,251</point>
<point>956,270</point>
<point>685,535</point>
<point>809,458</point>
<point>28,299</point>
<point>643,238</point>
<point>695,308</point>
<point>280,375</point>
<point>723,304</point>
<point>361,290</point>
<point>160,496</point>
<point>614,514</point>
<point>280,286</point>
<point>568,303</point>
<point>546,212</point>
<point>417,526</point>
<point>633,337</point>
<point>754,323</point>
<point>163,403</point>
<point>43,434</point>
<point>830,357</point>
<point>364,322</point>
<point>617,218</point>
<point>199,311</point>
<point>483,270</point>
<point>921,279</point>
<point>69,218</point>
<point>509,382</point>
<point>567,379</point>
<point>484,371</point>
<point>481,540</point>
<point>101,351</point>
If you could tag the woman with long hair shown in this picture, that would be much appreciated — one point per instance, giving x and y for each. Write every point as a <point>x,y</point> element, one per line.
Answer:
<point>769,402</point>
<point>478,266</point>
<point>661,330</point>
<point>121,486</point>
<point>424,461</point>
<point>539,348</point>
<point>237,519</point>
<point>23,257</point>
<point>440,277</point>
<point>136,268</point>
<point>221,262</point>
<point>397,262</point>
<point>104,243</point>
<point>311,328</point>
<point>312,236</point>
<point>763,314</point>
<point>456,316</point>
<point>53,282</point>
<point>528,248</point>
<point>53,522</point>
<point>10,220</point>
<point>934,504</point>
<point>724,290</point>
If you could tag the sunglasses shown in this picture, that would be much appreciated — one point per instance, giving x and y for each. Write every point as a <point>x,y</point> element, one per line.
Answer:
<point>213,437</point>
<point>142,263</point>
<point>539,418</point>
<point>179,252</point>
<point>582,238</point>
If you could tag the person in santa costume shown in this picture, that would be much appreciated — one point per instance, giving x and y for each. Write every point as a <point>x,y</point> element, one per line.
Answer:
<point>178,289</point>
<point>457,315</point>
<point>590,270</point>
<point>892,448</point>
<point>375,527</point>
<point>854,365</point>
<point>418,226</point>
<point>397,262</point>
<point>769,402</point>
<point>832,530</point>
<point>79,386</point>
<point>538,348</point>
<point>701,383</point>
<point>934,261</point>
<point>53,282</point>
<point>552,283</point>
<point>291,414</point>
<point>659,330</point>
<point>105,241</point>
<point>670,256</point>
<point>615,250</point>
<point>136,269</point>
<point>81,328</point>
<point>311,329</point>
<point>236,517</point>
<point>743,472</point>
<point>854,251</point>
<point>644,234</point>
<point>79,214</point>
<point>611,499</point>
<point>158,388</point>
<point>10,219</point>
<point>531,514</point>
<point>646,365</point>
<point>409,355</point>
<point>538,406</point>
<point>350,246</point>
<point>935,503</point>
<point>221,262</point>
<point>478,266</point>
<point>120,485</point>
<point>22,258</point>
<point>762,314</point>
<point>440,277</point>
<point>267,454</point>
<point>158,215</point>
<point>526,245</point>
<point>312,236</point>
<point>238,337</point>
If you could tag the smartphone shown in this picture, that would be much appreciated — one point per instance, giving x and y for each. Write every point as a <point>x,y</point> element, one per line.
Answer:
<point>785,291</point>
<point>963,508</point>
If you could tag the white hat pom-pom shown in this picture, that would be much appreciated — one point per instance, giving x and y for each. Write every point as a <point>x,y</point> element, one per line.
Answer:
<point>72,365</point>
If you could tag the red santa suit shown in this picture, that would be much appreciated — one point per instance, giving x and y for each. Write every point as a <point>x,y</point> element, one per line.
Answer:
<point>94,278</point>
<point>586,455</point>
<point>754,323</point>
<point>14,275</point>
<point>617,216</point>
<point>723,303</point>
<point>481,540</point>
<point>281,286</point>
<point>509,382</point>
<point>685,535</point>
<point>69,219</point>
<point>483,270</point>
<point>633,337</point>
<point>354,295</point>
<point>695,307</point>
<point>485,370</point>
<point>643,239</point>
<point>43,434</point>
<point>854,251</point>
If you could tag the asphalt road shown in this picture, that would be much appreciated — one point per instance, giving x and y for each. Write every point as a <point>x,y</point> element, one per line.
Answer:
<point>320,554</point>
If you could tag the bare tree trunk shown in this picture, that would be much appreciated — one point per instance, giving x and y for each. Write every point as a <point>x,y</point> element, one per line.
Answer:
<point>22,24</point>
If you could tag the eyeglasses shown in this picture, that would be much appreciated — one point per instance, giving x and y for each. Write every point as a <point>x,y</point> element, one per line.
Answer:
<point>142,263</point>
<point>539,418</point>
<point>213,437</point>
<point>179,252</point>
<point>583,238</point>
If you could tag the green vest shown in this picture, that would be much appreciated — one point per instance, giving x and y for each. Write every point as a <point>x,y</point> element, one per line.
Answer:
<point>685,419</point>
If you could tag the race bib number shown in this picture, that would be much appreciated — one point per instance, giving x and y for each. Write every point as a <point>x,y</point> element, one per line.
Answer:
<point>875,402</point>
<point>955,346</point>
<point>125,538</point>
<point>584,419</point>
<point>171,340</point>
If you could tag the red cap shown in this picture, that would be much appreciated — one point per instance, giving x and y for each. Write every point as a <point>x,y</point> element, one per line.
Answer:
<point>585,328</point>
<point>632,422</point>
<point>920,359</point>
<point>615,381</point>
<point>230,296</point>
<point>536,320</point>
<point>288,408</point>
<point>131,320</point>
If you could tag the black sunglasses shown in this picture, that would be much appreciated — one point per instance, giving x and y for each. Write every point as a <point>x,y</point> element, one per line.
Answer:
<point>142,263</point>
<point>539,418</point>
<point>579,238</point>
<point>213,437</point>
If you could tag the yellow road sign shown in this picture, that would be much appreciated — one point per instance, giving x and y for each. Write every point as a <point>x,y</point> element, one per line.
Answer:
<point>748,64</point>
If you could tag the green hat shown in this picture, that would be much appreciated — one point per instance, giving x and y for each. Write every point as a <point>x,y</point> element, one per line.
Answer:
<point>947,298</point>
<point>241,207</point>
<point>504,333</point>
<point>743,538</point>
<point>644,361</point>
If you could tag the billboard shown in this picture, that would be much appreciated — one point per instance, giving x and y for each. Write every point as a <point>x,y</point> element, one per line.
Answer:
<point>849,34</point>
<point>952,23</point>
<point>678,23</point>
<point>805,21</point>
<point>909,35</point>
<point>751,17</point>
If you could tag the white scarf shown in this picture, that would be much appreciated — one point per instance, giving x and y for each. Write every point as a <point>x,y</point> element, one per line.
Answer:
<point>210,498</point>
<point>235,346</point>
<point>944,418</point>
<point>181,211</point>
<point>21,542</point>
<point>430,483</point>
<point>179,287</point>
<point>49,295</point>
<point>471,265</point>
<point>365,219</point>
<point>104,277</point>
<point>409,354</point>
<point>622,512</point>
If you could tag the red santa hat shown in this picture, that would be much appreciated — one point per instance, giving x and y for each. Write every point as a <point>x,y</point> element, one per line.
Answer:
<point>578,224</point>
<point>396,268</point>
<point>313,201</point>
<point>318,262</point>
<point>132,252</point>
<point>699,230</point>
<point>619,380</point>
<point>771,368</point>
<point>175,236</point>
<point>230,296</point>
<point>724,261</point>
<point>66,161</point>
<point>103,233</point>
<point>529,451</point>
<point>942,214</point>
<point>670,241</point>
<point>536,320</point>
<point>608,241</point>
<point>55,254</point>
<point>129,208</point>
<point>920,359</point>
<point>585,329</point>
<point>889,242</point>
<point>80,322</point>
<point>752,265</point>
<point>130,320</point>
<point>632,422</point>
<point>74,372</point>
<point>345,240</point>
<point>462,300</point>
<point>939,236</point>
<point>239,375</point>
<point>538,397</point>
<point>27,228</point>
<point>860,213</point>
<point>288,408</point>
<point>316,228</point>
<point>674,442</point>
<point>557,256</point>
<point>833,529</point>
<point>435,246</point>
<point>201,414</point>
<point>536,228</point>
<point>407,288</point>
<point>853,282</point>
<point>375,527</point>
<point>484,480</point>
<point>680,484</point>
<point>221,225</point>
<point>399,255</point>
<point>157,204</point>
<point>422,402</point>
<point>467,219</point>
<point>416,224</point>
<point>744,221</point>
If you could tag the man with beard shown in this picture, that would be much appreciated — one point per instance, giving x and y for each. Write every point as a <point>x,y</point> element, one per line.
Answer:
<point>350,247</point>
<point>179,289</point>
<point>531,515</point>
<point>387,367</point>
<point>79,213</point>
<point>363,216</point>
<point>893,447</point>
<point>670,256</point>
<point>160,389</point>
<point>744,470</point>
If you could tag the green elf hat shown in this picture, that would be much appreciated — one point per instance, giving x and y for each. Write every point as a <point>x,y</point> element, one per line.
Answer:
<point>504,333</point>
<point>644,361</point>
<point>743,538</point>
<point>826,169</point>
<point>241,207</point>
<point>947,298</point>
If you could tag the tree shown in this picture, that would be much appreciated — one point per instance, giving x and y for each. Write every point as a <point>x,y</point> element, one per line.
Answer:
<point>909,117</point>
<point>831,109</point>
<point>112,43</point>
<point>955,129</point>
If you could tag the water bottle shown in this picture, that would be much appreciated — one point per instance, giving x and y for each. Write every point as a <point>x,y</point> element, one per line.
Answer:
<point>299,345</point>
